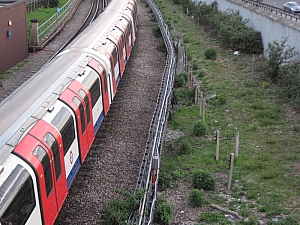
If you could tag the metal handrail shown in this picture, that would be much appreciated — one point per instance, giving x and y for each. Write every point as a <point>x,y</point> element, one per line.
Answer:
<point>149,169</point>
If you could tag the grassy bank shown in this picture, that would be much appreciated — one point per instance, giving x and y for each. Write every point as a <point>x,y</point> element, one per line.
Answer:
<point>266,171</point>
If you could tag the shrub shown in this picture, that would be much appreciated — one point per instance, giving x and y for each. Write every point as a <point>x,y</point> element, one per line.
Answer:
<point>118,211</point>
<point>199,128</point>
<point>180,79</point>
<point>203,179</point>
<point>163,212</point>
<point>184,145</point>
<point>211,53</point>
<point>197,198</point>
<point>164,180</point>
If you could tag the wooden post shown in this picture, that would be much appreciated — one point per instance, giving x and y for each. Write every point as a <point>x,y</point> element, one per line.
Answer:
<point>237,140</point>
<point>203,109</point>
<point>230,171</point>
<point>196,95</point>
<point>253,68</point>
<point>218,145</point>
<point>200,103</point>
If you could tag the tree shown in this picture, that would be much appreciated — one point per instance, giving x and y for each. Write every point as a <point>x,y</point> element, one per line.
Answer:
<point>277,54</point>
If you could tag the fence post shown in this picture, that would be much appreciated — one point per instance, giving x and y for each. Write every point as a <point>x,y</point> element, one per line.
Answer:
<point>203,109</point>
<point>34,31</point>
<point>237,140</point>
<point>200,103</point>
<point>218,145</point>
<point>230,171</point>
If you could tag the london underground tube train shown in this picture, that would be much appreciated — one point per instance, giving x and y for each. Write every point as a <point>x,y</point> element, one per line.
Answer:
<point>49,124</point>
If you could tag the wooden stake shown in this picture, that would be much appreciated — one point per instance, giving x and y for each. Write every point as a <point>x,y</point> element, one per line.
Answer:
<point>218,145</point>
<point>230,171</point>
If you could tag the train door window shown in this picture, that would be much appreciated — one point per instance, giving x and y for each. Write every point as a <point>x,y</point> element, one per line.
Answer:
<point>43,157</point>
<point>94,88</point>
<point>77,102</point>
<point>86,100</point>
<point>51,141</point>
<point>17,197</point>
<point>113,50</point>
<point>65,124</point>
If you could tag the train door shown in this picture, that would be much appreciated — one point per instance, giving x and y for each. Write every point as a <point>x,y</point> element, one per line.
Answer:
<point>63,119</point>
<point>98,67</point>
<point>111,53</point>
<point>91,80</point>
<point>117,37</point>
<point>78,106</point>
<point>48,166</point>
<point>125,26</point>
<point>85,97</point>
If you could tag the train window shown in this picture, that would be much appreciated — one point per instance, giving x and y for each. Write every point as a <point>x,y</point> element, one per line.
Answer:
<point>65,124</point>
<point>94,88</point>
<point>17,197</point>
<point>43,157</point>
<point>87,105</point>
<point>81,109</point>
<point>51,141</point>
<point>111,47</point>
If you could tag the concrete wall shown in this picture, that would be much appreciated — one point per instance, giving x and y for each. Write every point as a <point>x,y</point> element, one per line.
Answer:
<point>13,49</point>
<point>272,26</point>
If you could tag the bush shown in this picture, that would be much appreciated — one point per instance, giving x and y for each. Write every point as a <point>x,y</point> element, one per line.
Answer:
<point>211,53</point>
<point>197,198</point>
<point>118,211</point>
<point>199,128</point>
<point>184,146</point>
<point>180,79</point>
<point>163,212</point>
<point>203,179</point>
<point>164,180</point>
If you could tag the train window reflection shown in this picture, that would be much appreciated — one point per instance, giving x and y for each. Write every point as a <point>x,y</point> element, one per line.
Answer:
<point>51,141</point>
<point>65,124</point>
<point>16,207</point>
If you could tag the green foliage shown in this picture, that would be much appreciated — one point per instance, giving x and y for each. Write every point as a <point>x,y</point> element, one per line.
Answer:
<point>278,53</point>
<point>164,180</point>
<point>180,79</point>
<point>212,218</point>
<point>163,212</point>
<point>200,74</point>
<point>218,100</point>
<point>203,179</point>
<point>211,53</point>
<point>195,65</point>
<point>184,145</point>
<point>156,31</point>
<point>197,198</point>
<point>289,82</point>
<point>117,211</point>
<point>199,128</point>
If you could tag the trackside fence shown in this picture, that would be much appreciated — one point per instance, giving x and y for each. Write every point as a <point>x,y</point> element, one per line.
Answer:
<point>150,166</point>
<point>45,29</point>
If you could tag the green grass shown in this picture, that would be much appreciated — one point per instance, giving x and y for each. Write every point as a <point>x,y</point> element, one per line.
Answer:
<point>43,14</point>
<point>268,164</point>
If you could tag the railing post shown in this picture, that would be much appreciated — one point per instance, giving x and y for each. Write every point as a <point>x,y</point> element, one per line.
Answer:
<point>34,32</point>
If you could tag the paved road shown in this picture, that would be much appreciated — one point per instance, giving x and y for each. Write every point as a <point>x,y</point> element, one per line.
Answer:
<point>278,3</point>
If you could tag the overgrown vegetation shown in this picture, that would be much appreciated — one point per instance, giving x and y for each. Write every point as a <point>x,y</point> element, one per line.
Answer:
<point>249,97</point>
<point>117,211</point>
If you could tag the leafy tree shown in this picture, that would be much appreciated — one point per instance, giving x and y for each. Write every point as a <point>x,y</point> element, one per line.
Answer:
<point>278,52</point>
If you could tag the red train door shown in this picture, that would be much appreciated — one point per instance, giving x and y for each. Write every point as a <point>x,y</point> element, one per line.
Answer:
<point>47,162</point>
<point>78,106</point>
<point>104,84</point>
<point>85,96</point>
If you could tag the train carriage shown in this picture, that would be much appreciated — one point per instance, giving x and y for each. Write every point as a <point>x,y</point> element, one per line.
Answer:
<point>49,123</point>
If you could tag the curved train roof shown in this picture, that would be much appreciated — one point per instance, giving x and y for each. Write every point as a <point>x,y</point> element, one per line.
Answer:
<point>17,110</point>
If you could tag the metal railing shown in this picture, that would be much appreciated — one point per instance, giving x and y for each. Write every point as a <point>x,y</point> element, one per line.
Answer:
<point>45,29</point>
<point>149,169</point>
<point>273,9</point>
